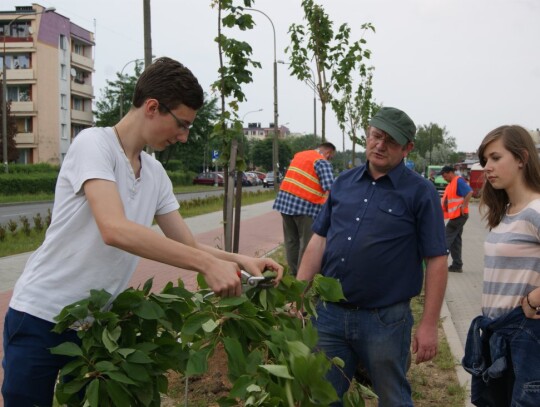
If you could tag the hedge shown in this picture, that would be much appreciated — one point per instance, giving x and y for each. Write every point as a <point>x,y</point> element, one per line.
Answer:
<point>32,182</point>
<point>13,184</point>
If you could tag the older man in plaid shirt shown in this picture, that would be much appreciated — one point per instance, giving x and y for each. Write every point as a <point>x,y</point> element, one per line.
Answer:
<point>301,196</point>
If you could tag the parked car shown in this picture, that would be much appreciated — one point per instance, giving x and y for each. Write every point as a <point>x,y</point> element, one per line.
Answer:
<point>208,178</point>
<point>269,180</point>
<point>259,174</point>
<point>253,178</point>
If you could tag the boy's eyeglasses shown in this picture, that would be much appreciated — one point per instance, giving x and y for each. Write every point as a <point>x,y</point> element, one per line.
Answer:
<point>182,124</point>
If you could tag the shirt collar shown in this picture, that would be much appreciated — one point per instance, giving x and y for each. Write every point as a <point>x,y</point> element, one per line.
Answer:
<point>394,175</point>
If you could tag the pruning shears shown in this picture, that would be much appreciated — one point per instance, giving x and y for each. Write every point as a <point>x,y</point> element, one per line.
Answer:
<point>250,281</point>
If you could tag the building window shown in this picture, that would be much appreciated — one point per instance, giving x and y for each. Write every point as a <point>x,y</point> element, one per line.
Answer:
<point>16,61</point>
<point>63,101</point>
<point>78,103</point>
<point>64,131</point>
<point>19,93</point>
<point>24,124</point>
<point>78,49</point>
<point>63,71</point>
<point>79,77</point>
<point>18,29</point>
<point>63,42</point>
<point>25,155</point>
<point>75,130</point>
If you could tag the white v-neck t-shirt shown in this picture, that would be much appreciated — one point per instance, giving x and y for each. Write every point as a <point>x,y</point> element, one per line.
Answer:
<point>73,259</point>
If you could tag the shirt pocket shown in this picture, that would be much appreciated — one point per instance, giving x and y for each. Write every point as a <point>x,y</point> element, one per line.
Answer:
<point>390,219</point>
<point>392,207</point>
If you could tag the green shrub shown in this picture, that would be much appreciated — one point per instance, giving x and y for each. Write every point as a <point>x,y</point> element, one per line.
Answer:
<point>127,348</point>
<point>25,225</point>
<point>19,183</point>
<point>2,233</point>
<point>12,226</point>
<point>33,168</point>
<point>181,178</point>
<point>38,222</point>
<point>174,165</point>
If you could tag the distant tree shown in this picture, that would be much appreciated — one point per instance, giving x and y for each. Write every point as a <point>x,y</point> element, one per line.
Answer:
<point>334,56</point>
<point>301,143</point>
<point>116,92</point>
<point>262,154</point>
<point>233,72</point>
<point>11,125</point>
<point>429,136</point>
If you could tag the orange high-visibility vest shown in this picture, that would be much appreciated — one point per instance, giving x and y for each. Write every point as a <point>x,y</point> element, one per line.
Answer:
<point>301,179</point>
<point>451,202</point>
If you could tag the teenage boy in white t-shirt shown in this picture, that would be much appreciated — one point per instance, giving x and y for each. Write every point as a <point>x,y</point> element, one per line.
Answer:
<point>107,195</point>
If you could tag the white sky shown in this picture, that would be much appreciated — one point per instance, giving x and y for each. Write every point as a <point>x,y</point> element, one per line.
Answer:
<point>468,65</point>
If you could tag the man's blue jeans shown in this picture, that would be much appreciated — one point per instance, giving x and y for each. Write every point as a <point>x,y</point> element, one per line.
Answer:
<point>30,370</point>
<point>377,339</point>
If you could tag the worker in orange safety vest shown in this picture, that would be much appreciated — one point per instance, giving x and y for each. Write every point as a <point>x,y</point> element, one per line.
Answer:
<point>455,205</point>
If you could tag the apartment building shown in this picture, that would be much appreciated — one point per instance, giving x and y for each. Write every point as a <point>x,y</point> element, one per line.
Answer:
<point>254,131</point>
<point>49,68</point>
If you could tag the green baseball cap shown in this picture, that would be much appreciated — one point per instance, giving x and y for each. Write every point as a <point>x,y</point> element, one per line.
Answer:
<point>395,123</point>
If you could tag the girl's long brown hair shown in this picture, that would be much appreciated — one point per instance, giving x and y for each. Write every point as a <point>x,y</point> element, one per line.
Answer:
<point>517,141</point>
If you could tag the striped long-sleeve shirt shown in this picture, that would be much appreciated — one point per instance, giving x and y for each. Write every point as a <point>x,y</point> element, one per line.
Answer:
<point>512,261</point>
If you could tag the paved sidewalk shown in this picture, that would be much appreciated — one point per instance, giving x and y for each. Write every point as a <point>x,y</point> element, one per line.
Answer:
<point>261,232</point>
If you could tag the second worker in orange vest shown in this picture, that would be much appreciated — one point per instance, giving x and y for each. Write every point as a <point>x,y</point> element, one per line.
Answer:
<point>455,205</point>
<point>301,195</point>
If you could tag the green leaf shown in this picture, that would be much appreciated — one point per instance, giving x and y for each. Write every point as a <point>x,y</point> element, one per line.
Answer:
<point>105,366</point>
<point>194,322</point>
<point>109,341</point>
<point>139,357</point>
<point>149,310</point>
<point>125,351</point>
<point>147,286</point>
<point>231,301</point>
<point>328,288</point>
<point>236,358</point>
<point>120,377</point>
<point>277,370</point>
<point>117,393</point>
<point>67,349</point>
<point>197,362</point>
<point>298,348</point>
<point>209,326</point>
<point>92,393</point>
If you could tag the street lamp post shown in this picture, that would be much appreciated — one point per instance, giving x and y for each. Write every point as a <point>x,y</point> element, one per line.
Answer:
<point>121,107</point>
<point>4,86</point>
<point>275,146</point>
<point>312,85</point>
<point>243,117</point>
<point>251,111</point>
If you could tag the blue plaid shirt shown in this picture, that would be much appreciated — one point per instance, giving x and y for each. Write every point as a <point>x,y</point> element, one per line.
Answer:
<point>289,204</point>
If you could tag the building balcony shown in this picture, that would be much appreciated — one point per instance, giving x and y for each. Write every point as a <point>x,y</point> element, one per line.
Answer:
<point>25,138</point>
<point>82,61</point>
<point>82,117</point>
<point>20,75</point>
<point>82,89</point>
<point>22,107</point>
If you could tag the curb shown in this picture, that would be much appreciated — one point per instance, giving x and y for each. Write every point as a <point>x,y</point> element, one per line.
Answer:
<point>456,348</point>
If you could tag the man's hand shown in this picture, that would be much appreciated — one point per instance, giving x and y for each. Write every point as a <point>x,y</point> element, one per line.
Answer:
<point>222,278</point>
<point>256,265</point>
<point>425,342</point>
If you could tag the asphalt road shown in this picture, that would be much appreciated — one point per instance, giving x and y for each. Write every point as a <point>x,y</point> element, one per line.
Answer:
<point>15,211</point>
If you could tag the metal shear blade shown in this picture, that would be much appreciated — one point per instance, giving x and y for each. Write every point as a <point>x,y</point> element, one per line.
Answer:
<point>256,281</point>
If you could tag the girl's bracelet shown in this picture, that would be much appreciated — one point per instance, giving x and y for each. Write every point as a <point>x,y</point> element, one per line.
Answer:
<point>537,309</point>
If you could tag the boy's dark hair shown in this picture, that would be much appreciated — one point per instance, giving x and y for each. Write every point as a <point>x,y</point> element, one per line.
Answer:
<point>170,83</point>
<point>327,145</point>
